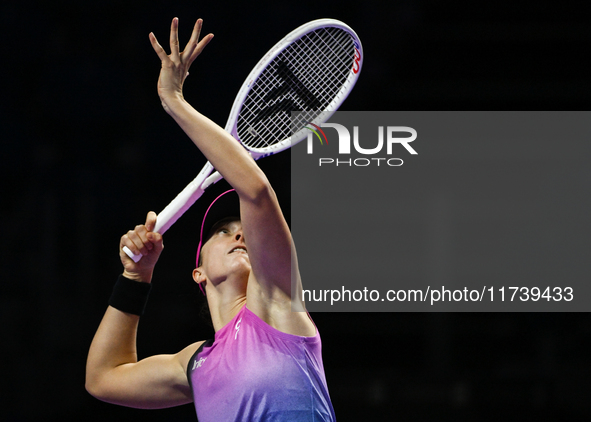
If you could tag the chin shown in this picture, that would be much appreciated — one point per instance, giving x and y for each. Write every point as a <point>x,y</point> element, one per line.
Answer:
<point>243,266</point>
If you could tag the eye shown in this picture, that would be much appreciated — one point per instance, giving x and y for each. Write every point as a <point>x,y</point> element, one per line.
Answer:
<point>223,231</point>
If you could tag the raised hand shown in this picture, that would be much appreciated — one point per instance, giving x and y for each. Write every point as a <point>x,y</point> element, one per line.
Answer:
<point>142,240</point>
<point>175,67</point>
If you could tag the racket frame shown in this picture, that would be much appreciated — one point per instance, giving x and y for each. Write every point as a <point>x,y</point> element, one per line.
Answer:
<point>207,176</point>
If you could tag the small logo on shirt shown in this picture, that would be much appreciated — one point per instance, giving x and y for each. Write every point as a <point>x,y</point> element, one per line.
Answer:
<point>198,363</point>
<point>237,328</point>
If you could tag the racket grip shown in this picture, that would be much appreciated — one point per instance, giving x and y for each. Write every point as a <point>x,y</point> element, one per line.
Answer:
<point>129,253</point>
<point>214,178</point>
<point>178,206</point>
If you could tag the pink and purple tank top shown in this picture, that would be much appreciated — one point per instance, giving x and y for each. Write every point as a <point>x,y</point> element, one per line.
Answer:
<point>253,372</point>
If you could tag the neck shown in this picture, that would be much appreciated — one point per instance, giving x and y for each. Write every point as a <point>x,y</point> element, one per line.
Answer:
<point>224,303</point>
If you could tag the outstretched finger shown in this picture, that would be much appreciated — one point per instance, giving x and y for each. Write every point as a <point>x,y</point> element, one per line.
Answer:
<point>158,48</point>
<point>199,48</point>
<point>174,40</point>
<point>192,44</point>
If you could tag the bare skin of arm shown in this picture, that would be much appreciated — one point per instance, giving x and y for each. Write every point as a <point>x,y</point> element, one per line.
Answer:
<point>266,233</point>
<point>113,372</point>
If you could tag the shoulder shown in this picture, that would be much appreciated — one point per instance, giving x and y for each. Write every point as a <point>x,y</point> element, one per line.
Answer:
<point>184,356</point>
<point>282,318</point>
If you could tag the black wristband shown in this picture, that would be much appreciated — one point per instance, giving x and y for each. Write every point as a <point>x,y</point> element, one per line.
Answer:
<point>130,296</point>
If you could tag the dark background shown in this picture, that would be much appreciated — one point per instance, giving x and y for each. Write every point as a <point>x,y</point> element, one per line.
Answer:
<point>87,151</point>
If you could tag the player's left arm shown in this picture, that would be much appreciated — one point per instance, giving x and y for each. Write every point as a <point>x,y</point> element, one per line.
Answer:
<point>266,233</point>
<point>274,287</point>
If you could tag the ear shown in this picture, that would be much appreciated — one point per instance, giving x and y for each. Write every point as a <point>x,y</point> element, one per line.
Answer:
<point>199,276</point>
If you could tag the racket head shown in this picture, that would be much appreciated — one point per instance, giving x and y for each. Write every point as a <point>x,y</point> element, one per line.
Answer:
<point>311,71</point>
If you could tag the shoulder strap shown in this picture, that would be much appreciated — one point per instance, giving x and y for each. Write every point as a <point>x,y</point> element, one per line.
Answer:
<point>207,343</point>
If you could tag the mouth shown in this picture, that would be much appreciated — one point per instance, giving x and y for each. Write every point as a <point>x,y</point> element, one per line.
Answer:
<point>239,249</point>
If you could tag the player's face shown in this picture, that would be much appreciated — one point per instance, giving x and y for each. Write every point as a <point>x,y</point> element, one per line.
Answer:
<point>225,253</point>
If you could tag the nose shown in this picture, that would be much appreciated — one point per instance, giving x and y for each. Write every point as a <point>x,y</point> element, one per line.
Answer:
<point>238,235</point>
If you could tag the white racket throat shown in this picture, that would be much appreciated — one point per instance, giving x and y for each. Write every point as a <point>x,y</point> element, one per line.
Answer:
<point>311,70</point>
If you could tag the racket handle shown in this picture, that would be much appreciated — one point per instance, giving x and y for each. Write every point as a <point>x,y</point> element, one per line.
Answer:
<point>214,178</point>
<point>178,206</point>
<point>129,253</point>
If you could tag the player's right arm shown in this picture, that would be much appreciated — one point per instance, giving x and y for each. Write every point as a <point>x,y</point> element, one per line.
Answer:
<point>113,372</point>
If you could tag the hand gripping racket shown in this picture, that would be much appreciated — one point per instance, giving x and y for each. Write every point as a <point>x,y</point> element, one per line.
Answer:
<point>311,71</point>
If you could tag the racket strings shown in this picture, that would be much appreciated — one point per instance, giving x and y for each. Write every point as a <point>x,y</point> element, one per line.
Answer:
<point>315,73</point>
<point>322,45</point>
<point>327,71</point>
<point>306,77</point>
<point>340,68</point>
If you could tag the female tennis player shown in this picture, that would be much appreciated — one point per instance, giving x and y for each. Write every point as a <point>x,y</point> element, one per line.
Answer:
<point>265,361</point>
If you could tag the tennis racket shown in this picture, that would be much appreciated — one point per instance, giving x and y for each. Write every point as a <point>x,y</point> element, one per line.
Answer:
<point>311,71</point>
